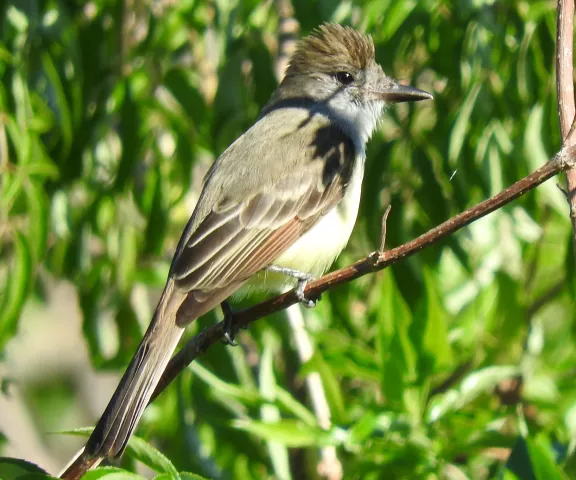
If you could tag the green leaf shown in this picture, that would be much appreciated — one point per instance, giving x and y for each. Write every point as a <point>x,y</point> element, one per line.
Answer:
<point>430,332</point>
<point>535,151</point>
<point>349,356</point>
<point>531,461</point>
<point>291,433</point>
<point>11,189</point>
<point>486,379</point>
<point>183,476</point>
<point>17,18</point>
<point>288,403</point>
<point>190,476</point>
<point>398,355</point>
<point>119,475</point>
<point>459,131</point>
<point>179,83</point>
<point>111,473</point>
<point>395,17</point>
<point>244,395</point>
<point>363,428</point>
<point>127,258</point>
<point>38,212</point>
<point>332,387</point>
<point>16,288</point>
<point>16,469</point>
<point>269,412</point>
<point>138,449</point>
<point>480,382</point>
<point>61,100</point>
<point>151,457</point>
<point>131,139</point>
<point>43,168</point>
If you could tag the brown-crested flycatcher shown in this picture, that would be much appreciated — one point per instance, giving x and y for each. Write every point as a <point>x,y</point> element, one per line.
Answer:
<point>276,208</point>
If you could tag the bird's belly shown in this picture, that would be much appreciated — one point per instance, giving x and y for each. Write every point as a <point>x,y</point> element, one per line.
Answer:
<point>317,249</point>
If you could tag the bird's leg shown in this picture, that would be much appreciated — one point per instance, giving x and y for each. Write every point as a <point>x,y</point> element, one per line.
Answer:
<point>231,328</point>
<point>303,279</point>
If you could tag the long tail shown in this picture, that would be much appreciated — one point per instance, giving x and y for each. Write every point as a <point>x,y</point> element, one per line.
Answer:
<point>133,393</point>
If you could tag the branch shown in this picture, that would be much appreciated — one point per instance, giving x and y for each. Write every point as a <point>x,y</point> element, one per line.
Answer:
<point>564,160</point>
<point>565,90</point>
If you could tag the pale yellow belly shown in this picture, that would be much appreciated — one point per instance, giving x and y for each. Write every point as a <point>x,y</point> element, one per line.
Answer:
<point>317,249</point>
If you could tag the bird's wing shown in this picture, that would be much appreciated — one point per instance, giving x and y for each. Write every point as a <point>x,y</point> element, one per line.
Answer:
<point>240,236</point>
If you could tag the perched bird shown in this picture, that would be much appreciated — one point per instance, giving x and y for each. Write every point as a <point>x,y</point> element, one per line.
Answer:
<point>276,208</point>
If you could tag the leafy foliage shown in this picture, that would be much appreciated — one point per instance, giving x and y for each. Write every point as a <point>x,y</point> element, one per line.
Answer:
<point>456,363</point>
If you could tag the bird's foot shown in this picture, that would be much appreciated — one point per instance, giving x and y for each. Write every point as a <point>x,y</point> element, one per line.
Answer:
<point>231,327</point>
<point>303,279</point>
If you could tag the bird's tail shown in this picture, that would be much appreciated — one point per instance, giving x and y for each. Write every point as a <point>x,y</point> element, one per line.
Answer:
<point>133,393</point>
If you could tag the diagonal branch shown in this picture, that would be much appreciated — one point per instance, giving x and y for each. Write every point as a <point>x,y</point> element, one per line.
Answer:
<point>565,90</point>
<point>563,161</point>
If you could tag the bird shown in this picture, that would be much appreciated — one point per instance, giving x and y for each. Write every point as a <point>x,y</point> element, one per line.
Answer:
<point>276,207</point>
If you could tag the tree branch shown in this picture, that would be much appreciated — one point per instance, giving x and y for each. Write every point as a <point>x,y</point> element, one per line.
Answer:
<point>564,160</point>
<point>565,90</point>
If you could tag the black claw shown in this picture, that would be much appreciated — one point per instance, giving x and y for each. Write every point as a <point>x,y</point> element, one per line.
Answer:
<point>229,339</point>
<point>230,327</point>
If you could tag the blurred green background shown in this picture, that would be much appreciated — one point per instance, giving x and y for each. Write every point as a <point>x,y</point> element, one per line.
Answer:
<point>457,363</point>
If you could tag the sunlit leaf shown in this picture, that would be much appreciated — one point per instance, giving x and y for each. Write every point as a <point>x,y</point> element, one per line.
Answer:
<point>138,449</point>
<point>16,289</point>
<point>331,385</point>
<point>458,134</point>
<point>537,156</point>
<point>290,433</point>
<point>110,473</point>
<point>224,388</point>
<point>15,468</point>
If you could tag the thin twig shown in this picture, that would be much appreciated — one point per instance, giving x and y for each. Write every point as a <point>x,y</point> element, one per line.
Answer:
<point>565,90</point>
<point>383,234</point>
<point>205,339</point>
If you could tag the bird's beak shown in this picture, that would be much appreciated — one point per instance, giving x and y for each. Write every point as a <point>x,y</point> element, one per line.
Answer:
<point>394,92</point>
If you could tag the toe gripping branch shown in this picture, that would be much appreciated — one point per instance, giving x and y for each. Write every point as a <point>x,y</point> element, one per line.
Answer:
<point>303,279</point>
<point>230,326</point>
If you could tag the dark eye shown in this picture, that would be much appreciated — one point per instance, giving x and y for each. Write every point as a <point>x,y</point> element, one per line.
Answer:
<point>345,78</point>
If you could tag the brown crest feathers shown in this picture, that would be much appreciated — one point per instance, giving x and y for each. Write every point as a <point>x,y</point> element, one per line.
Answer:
<point>331,48</point>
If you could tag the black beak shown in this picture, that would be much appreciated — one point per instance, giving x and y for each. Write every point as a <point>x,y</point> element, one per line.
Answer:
<point>394,92</point>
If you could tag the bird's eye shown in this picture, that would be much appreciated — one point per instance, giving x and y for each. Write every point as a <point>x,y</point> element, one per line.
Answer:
<point>344,78</point>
